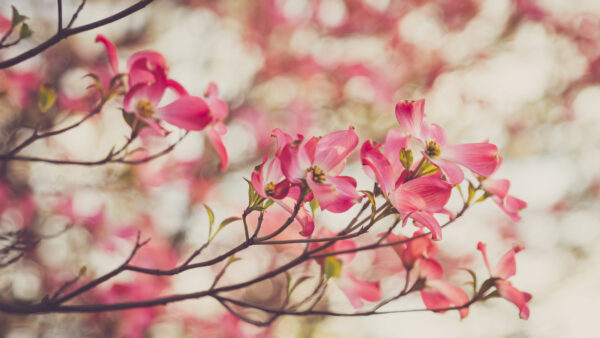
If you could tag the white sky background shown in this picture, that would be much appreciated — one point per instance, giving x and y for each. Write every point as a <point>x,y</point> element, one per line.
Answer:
<point>474,101</point>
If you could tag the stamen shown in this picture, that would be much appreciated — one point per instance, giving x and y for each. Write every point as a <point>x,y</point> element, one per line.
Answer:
<point>270,189</point>
<point>145,108</point>
<point>432,149</point>
<point>318,174</point>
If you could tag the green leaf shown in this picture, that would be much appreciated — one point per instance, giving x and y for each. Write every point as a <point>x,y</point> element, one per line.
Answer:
<point>474,282</point>
<point>314,206</point>
<point>371,198</point>
<point>17,18</point>
<point>225,223</point>
<point>268,203</point>
<point>406,158</point>
<point>332,267</point>
<point>46,98</point>
<point>471,192</point>
<point>132,121</point>
<point>211,219</point>
<point>25,31</point>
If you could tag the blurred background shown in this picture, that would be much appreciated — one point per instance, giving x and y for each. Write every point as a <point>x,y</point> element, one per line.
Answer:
<point>523,74</point>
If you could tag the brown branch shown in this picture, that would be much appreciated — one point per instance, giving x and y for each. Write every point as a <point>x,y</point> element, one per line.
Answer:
<point>65,33</point>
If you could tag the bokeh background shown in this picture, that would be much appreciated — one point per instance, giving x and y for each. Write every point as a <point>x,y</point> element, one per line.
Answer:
<point>523,74</point>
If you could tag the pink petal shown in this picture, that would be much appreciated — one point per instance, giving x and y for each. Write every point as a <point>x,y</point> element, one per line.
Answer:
<point>455,295</point>
<point>394,142</point>
<point>432,190</point>
<point>303,216</point>
<point>406,201</point>
<point>454,175</point>
<point>256,178</point>
<point>281,138</point>
<point>274,173</point>
<point>430,269</point>
<point>151,60</point>
<point>436,133</point>
<point>290,164</point>
<point>507,267</point>
<point>496,187</point>
<point>410,115</point>
<point>306,153</point>
<point>482,247</point>
<point>188,112</point>
<point>427,220</point>
<point>337,194</point>
<point>214,136</point>
<point>111,51</point>
<point>177,87</point>
<point>513,295</point>
<point>218,107</point>
<point>480,158</point>
<point>356,290</point>
<point>377,167</point>
<point>333,148</point>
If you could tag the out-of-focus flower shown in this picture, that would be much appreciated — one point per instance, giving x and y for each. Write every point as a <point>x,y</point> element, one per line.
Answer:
<point>506,268</point>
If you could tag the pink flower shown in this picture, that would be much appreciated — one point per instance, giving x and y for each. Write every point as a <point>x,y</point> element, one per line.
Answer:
<point>439,294</point>
<point>278,188</point>
<point>318,162</point>
<point>147,82</point>
<point>418,198</point>
<point>509,204</point>
<point>480,158</point>
<point>506,268</point>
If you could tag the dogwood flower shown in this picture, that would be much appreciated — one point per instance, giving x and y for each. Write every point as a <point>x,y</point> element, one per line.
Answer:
<point>480,158</point>
<point>318,162</point>
<point>506,268</point>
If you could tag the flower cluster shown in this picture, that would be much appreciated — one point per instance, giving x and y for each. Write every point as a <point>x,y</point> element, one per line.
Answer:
<point>147,83</point>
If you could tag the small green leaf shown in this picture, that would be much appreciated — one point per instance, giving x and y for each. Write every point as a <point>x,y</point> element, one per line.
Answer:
<point>474,282</point>
<point>471,192</point>
<point>17,18</point>
<point>46,98</point>
<point>268,203</point>
<point>332,267</point>
<point>225,223</point>
<point>372,200</point>
<point>25,31</point>
<point>211,219</point>
<point>314,206</point>
<point>132,121</point>
<point>406,158</point>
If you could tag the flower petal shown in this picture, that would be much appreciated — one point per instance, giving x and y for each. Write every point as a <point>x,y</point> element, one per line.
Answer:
<point>214,134</point>
<point>111,51</point>
<point>454,175</point>
<point>333,148</point>
<point>410,115</point>
<point>377,167</point>
<point>513,295</point>
<point>188,112</point>
<point>480,158</point>
<point>431,189</point>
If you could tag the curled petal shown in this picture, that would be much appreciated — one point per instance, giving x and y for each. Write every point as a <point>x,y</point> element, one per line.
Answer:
<point>282,138</point>
<point>427,220</point>
<point>188,112</point>
<point>410,115</point>
<point>480,158</point>
<point>454,295</point>
<point>214,135</point>
<point>177,87</point>
<point>303,216</point>
<point>256,179</point>
<point>513,295</point>
<point>395,141</point>
<point>111,51</point>
<point>151,60</point>
<point>377,166</point>
<point>290,164</point>
<point>507,267</point>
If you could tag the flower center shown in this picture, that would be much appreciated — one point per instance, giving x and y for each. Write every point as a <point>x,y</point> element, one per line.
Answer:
<point>318,175</point>
<point>432,149</point>
<point>145,108</point>
<point>270,189</point>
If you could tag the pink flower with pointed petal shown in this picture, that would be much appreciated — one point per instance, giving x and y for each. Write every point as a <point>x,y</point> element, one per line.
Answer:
<point>481,158</point>
<point>418,198</point>
<point>509,204</point>
<point>506,268</point>
<point>274,185</point>
<point>439,294</point>
<point>318,162</point>
<point>186,112</point>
